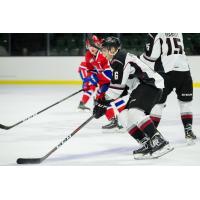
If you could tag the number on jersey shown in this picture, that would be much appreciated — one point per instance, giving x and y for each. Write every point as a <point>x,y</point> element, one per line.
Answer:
<point>174,46</point>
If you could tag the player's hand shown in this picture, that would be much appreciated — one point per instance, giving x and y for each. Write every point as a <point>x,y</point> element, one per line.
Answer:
<point>85,86</point>
<point>93,79</point>
<point>100,108</point>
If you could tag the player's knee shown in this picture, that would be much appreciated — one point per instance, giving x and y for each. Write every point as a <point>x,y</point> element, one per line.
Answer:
<point>135,116</point>
<point>185,106</point>
<point>157,109</point>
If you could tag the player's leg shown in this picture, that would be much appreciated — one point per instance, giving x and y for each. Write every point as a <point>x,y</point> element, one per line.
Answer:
<point>110,115</point>
<point>117,106</point>
<point>157,110</point>
<point>88,91</point>
<point>185,96</point>
<point>139,107</point>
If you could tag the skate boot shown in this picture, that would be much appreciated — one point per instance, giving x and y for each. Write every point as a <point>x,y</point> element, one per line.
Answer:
<point>145,151</point>
<point>160,146</point>
<point>113,126</point>
<point>82,107</point>
<point>189,135</point>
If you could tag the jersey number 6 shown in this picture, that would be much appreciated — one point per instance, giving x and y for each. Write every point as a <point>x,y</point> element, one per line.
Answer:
<point>116,75</point>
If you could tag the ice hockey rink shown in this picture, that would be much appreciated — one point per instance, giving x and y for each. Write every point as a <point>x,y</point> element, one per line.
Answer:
<point>90,146</point>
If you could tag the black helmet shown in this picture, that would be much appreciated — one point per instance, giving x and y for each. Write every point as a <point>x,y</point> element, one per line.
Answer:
<point>110,42</point>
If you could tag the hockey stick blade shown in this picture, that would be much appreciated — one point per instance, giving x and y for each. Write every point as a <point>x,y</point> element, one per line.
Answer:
<point>39,160</point>
<point>29,160</point>
<point>5,127</point>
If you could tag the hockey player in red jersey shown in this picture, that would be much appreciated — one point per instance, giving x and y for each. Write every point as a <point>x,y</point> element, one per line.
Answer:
<point>94,71</point>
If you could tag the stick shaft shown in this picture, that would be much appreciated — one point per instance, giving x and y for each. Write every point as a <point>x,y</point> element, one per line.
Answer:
<point>39,160</point>
<point>41,111</point>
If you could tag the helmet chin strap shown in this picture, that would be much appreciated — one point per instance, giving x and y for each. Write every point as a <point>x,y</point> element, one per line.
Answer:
<point>112,54</point>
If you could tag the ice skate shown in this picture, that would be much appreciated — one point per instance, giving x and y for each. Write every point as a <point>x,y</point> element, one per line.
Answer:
<point>113,126</point>
<point>145,151</point>
<point>160,146</point>
<point>153,148</point>
<point>82,107</point>
<point>189,135</point>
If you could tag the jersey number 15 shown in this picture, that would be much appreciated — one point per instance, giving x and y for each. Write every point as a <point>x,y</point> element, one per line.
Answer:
<point>174,46</point>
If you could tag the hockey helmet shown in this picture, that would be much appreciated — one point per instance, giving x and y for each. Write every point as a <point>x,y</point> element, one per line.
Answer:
<point>110,42</point>
<point>94,39</point>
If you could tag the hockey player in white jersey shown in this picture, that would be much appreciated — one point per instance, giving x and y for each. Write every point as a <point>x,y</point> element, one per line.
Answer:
<point>146,88</point>
<point>165,53</point>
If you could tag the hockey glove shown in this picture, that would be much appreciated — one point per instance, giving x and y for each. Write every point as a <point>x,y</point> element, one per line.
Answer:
<point>84,87</point>
<point>92,79</point>
<point>100,108</point>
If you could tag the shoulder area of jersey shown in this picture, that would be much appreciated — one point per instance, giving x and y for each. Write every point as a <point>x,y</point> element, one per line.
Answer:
<point>131,56</point>
<point>100,56</point>
<point>120,56</point>
<point>89,54</point>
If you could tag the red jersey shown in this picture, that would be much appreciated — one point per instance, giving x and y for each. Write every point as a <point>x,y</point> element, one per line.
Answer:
<point>96,64</point>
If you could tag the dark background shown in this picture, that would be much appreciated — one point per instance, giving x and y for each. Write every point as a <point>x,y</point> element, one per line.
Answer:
<point>73,44</point>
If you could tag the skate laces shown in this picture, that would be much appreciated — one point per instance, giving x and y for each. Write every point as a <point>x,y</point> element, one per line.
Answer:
<point>188,129</point>
<point>189,133</point>
<point>156,139</point>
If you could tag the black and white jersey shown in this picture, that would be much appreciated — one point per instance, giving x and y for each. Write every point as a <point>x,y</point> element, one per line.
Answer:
<point>165,50</point>
<point>128,70</point>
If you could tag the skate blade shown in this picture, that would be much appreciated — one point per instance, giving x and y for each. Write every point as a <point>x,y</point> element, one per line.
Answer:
<point>113,130</point>
<point>155,155</point>
<point>191,141</point>
<point>165,150</point>
<point>122,130</point>
<point>84,111</point>
<point>143,157</point>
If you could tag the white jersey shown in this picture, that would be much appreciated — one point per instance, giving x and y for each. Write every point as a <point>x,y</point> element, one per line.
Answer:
<point>128,70</point>
<point>166,51</point>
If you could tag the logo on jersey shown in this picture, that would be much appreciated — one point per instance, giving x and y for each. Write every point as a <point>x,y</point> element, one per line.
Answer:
<point>186,95</point>
<point>132,100</point>
<point>148,46</point>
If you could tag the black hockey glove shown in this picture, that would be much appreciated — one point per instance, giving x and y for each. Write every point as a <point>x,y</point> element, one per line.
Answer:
<point>100,108</point>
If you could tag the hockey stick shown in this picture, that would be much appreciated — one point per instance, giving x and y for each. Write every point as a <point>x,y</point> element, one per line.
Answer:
<point>9,127</point>
<point>39,160</point>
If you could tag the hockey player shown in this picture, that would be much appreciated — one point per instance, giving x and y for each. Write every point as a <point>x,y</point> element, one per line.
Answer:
<point>94,71</point>
<point>146,86</point>
<point>86,70</point>
<point>165,53</point>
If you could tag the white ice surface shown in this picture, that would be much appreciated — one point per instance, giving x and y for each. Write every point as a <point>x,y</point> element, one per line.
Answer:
<point>88,147</point>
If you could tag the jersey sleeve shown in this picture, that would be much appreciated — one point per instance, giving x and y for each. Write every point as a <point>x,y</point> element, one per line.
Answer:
<point>152,49</point>
<point>121,73</point>
<point>117,67</point>
<point>89,59</point>
<point>104,74</point>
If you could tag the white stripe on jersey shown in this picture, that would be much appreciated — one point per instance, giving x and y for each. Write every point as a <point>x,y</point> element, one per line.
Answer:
<point>158,80</point>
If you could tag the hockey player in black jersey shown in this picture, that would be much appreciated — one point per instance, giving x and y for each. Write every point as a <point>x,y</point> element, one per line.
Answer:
<point>165,53</point>
<point>145,88</point>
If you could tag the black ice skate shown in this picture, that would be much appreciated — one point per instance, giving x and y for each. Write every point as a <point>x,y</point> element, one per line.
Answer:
<point>145,151</point>
<point>82,107</point>
<point>153,148</point>
<point>113,126</point>
<point>189,135</point>
<point>160,146</point>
